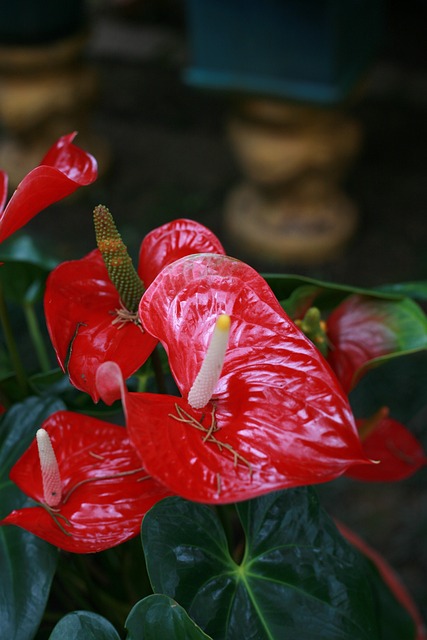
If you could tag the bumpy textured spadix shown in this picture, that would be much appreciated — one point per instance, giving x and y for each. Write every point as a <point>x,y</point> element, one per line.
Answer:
<point>52,486</point>
<point>207,378</point>
<point>117,260</point>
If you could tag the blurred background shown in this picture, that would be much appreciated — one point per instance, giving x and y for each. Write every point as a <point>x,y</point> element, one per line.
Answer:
<point>316,165</point>
<point>166,144</point>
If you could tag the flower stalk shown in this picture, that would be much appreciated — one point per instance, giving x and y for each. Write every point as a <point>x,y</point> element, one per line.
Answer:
<point>36,337</point>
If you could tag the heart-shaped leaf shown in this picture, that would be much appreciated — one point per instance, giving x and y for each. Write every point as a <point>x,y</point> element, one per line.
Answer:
<point>298,575</point>
<point>158,616</point>
<point>27,563</point>
<point>83,625</point>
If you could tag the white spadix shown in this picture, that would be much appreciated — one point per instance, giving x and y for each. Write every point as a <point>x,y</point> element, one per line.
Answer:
<point>52,486</point>
<point>210,371</point>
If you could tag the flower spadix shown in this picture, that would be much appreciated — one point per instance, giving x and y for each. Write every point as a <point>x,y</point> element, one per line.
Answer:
<point>117,260</point>
<point>275,417</point>
<point>52,486</point>
<point>207,378</point>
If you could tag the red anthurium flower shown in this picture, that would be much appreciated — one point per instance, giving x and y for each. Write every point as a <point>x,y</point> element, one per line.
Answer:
<point>398,452</point>
<point>62,171</point>
<point>363,328</point>
<point>83,307</point>
<point>88,480</point>
<point>260,411</point>
<point>80,307</point>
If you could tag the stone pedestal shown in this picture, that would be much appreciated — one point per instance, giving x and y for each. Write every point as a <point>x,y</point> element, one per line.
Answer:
<point>46,91</point>
<point>290,207</point>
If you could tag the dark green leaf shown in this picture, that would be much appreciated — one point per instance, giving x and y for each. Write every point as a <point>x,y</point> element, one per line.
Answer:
<point>416,290</point>
<point>158,616</point>
<point>24,271</point>
<point>22,282</point>
<point>395,621</point>
<point>296,292</point>
<point>53,382</point>
<point>27,563</point>
<point>17,430</point>
<point>22,248</point>
<point>298,577</point>
<point>83,625</point>
<point>399,384</point>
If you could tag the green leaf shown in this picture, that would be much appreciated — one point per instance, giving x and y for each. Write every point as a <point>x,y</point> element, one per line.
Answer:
<point>299,578</point>
<point>415,290</point>
<point>158,616</point>
<point>395,622</point>
<point>83,625</point>
<point>53,382</point>
<point>24,271</point>
<point>22,283</point>
<point>399,384</point>
<point>22,248</point>
<point>297,293</point>
<point>27,563</point>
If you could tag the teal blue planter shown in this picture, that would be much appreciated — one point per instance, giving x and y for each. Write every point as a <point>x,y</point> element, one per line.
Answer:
<point>311,50</point>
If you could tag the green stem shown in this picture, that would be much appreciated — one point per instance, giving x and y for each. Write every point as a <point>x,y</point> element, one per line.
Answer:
<point>36,337</point>
<point>14,356</point>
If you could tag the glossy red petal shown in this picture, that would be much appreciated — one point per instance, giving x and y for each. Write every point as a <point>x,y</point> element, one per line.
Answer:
<point>399,453</point>
<point>182,305</point>
<point>71,160</point>
<point>362,328</point>
<point>100,513</point>
<point>172,241</point>
<point>80,304</point>
<point>64,169</point>
<point>250,454</point>
<point>277,403</point>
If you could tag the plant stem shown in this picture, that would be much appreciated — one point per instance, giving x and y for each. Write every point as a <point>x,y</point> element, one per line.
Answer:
<point>36,337</point>
<point>14,356</point>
